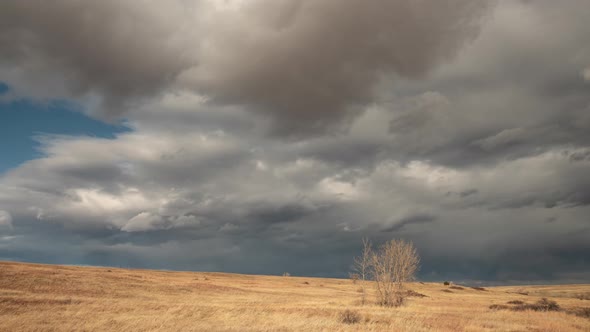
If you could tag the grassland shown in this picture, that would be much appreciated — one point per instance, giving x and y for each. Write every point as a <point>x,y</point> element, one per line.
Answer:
<point>65,298</point>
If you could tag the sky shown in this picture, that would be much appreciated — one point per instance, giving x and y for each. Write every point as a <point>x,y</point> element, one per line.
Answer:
<point>271,136</point>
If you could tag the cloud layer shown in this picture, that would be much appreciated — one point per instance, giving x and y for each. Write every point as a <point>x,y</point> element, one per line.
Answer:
<point>306,63</point>
<point>462,126</point>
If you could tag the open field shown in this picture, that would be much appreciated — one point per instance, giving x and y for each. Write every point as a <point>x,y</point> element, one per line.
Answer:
<point>65,298</point>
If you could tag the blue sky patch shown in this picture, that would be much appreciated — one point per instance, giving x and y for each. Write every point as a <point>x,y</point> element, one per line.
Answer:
<point>22,120</point>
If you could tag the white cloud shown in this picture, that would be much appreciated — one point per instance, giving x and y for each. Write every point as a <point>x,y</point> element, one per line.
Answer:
<point>142,222</point>
<point>5,219</point>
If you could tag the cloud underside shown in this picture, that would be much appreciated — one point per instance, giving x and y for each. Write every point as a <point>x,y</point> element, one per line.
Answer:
<point>308,65</point>
<point>267,138</point>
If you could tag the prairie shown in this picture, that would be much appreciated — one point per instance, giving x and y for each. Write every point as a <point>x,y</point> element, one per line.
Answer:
<point>36,297</point>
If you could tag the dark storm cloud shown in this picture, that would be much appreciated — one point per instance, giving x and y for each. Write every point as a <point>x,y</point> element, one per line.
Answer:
<point>114,50</point>
<point>314,62</point>
<point>279,214</point>
<point>309,64</point>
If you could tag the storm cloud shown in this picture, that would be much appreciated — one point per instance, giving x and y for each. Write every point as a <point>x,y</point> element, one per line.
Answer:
<point>316,62</point>
<point>311,63</point>
<point>108,51</point>
<point>462,126</point>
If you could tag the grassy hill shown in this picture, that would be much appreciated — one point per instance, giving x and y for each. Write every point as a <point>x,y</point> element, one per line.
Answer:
<point>37,297</point>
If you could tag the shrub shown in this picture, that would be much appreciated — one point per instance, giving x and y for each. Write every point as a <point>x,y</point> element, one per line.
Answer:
<point>479,288</point>
<point>580,312</point>
<point>545,305</point>
<point>457,287</point>
<point>446,283</point>
<point>541,305</point>
<point>350,317</point>
<point>414,294</point>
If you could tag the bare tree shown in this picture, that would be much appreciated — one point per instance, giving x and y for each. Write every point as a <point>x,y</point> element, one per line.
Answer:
<point>362,263</point>
<point>362,267</point>
<point>394,264</point>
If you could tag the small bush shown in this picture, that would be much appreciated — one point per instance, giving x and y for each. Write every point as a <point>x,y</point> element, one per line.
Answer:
<point>479,288</point>
<point>583,296</point>
<point>541,305</point>
<point>545,305</point>
<point>350,317</point>
<point>446,283</point>
<point>412,293</point>
<point>580,312</point>
<point>306,283</point>
<point>447,290</point>
<point>457,287</point>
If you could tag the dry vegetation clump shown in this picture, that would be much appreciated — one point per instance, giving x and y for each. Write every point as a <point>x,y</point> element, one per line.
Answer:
<point>545,305</point>
<point>479,288</point>
<point>446,290</point>
<point>541,305</point>
<point>446,283</point>
<point>411,293</point>
<point>350,316</point>
<point>457,287</point>
<point>580,312</point>
<point>583,296</point>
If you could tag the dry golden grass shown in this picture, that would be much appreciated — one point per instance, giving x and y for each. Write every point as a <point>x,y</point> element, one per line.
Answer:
<point>64,298</point>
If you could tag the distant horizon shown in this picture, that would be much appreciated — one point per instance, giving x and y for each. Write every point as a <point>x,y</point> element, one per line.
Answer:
<point>468,283</point>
